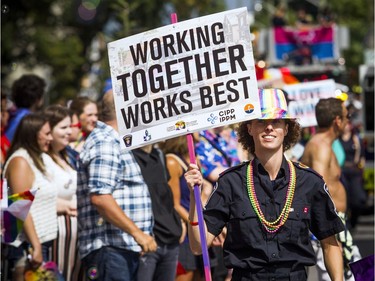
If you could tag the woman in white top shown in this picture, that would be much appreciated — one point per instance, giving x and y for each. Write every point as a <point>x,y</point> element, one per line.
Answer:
<point>65,252</point>
<point>25,169</point>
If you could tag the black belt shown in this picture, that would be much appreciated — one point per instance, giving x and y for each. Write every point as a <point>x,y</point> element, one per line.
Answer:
<point>276,274</point>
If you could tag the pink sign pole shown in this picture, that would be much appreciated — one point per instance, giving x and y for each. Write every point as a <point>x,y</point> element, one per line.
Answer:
<point>198,203</point>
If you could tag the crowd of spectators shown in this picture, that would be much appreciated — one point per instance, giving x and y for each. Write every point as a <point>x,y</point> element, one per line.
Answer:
<point>99,211</point>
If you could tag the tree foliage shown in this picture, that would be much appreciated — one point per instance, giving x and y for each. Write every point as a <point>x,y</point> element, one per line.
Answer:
<point>56,34</point>
<point>358,16</point>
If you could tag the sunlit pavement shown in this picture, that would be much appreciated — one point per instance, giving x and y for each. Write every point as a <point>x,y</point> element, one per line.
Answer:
<point>363,235</point>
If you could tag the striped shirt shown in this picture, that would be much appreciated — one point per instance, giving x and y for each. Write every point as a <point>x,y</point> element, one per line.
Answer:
<point>104,169</point>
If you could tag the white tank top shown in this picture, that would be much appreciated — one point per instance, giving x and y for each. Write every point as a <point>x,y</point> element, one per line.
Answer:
<point>43,208</point>
<point>64,180</point>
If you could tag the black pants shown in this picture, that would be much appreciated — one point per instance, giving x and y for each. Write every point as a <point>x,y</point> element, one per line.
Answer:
<point>281,274</point>
<point>352,179</point>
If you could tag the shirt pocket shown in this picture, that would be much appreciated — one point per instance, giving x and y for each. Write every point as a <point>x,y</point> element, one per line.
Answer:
<point>244,224</point>
<point>296,226</point>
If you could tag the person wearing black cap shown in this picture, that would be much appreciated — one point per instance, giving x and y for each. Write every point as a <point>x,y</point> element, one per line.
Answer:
<point>269,204</point>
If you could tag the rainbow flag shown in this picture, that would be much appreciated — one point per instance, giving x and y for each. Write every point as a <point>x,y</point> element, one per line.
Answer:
<point>13,216</point>
<point>48,271</point>
<point>319,39</point>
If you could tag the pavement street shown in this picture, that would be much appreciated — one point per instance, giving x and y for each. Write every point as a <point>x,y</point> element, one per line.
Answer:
<point>363,235</point>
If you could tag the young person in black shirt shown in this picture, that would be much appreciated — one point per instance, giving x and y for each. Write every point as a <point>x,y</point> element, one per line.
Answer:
<point>160,265</point>
<point>269,204</point>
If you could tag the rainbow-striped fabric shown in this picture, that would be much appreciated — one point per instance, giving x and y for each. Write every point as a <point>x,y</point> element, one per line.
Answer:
<point>48,271</point>
<point>15,213</point>
<point>273,104</point>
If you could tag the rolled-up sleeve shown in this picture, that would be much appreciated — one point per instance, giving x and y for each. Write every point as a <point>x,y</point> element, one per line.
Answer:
<point>325,221</point>
<point>103,167</point>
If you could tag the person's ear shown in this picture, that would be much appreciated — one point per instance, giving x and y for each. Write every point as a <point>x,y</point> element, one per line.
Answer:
<point>249,127</point>
<point>286,129</point>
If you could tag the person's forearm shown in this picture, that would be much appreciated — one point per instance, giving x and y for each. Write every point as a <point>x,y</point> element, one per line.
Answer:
<point>194,180</point>
<point>112,213</point>
<point>30,232</point>
<point>32,236</point>
<point>65,207</point>
<point>333,259</point>
<point>193,231</point>
<point>334,266</point>
<point>184,215</point>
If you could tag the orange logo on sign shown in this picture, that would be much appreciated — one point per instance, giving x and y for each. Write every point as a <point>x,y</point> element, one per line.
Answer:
<point>249,108</point>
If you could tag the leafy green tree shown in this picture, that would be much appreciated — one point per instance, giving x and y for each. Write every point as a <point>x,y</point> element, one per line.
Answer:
<point>58,34</point>
<point>358,16</point>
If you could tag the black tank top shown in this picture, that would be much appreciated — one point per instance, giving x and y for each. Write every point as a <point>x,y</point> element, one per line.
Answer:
<point>349,148</point>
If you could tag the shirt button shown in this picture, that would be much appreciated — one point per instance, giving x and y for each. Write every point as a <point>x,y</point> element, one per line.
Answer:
<point>243,214</point>
<point>273,279</point>
<point>100,221</point>
<point>273,255</point>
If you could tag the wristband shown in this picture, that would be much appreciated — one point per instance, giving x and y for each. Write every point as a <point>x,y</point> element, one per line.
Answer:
<point>193,223</point>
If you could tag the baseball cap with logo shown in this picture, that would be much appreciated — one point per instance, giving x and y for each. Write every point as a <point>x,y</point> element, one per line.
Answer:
<point>273,104</point>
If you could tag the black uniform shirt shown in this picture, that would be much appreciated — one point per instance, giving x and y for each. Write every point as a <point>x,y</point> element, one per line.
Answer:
<point>248,245</point>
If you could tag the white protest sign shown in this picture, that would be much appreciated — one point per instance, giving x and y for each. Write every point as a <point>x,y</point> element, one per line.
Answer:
<point>184,77</point>
<point>304,96</point>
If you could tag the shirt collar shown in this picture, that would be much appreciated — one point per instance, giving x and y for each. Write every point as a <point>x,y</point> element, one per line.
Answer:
<point>259,169</point>
<point>103,126</point>
<point>144,156</point>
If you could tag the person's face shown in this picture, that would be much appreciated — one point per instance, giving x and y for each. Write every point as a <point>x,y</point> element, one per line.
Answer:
<point>4,113</point>
<point>268,134</point>
<point>61,134</point>
<point>89,117</point>
<point>348,128</point>
<point>343,120</point>
<point>45,137</point>
<point>4,118</point>
<point>39,104</point>
<point>76,128</point>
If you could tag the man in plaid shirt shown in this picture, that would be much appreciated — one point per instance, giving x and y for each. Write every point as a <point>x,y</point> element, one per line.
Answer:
<point>114,206</point>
